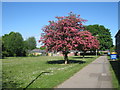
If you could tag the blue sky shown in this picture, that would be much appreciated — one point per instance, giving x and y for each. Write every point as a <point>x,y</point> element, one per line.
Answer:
<point>29,18</point>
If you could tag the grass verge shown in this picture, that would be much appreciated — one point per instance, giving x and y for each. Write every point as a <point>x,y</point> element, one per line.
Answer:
<point>19,72</point>
<point>114,69</point>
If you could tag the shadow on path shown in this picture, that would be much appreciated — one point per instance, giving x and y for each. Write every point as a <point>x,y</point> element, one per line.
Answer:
<point>69,61</point>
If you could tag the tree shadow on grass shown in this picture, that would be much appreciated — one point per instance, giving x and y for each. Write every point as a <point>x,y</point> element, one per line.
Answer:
<point>116,67</point>
<point>63,61</point>
<point>10,84</point>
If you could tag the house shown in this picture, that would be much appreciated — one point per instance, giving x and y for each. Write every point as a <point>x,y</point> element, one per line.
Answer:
<point>37,52</point>
<point>69,54</point>
<point>118,43</point>
<point>72,53</point>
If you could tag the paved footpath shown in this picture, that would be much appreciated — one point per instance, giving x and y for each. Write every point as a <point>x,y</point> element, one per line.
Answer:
<point>95,75</point>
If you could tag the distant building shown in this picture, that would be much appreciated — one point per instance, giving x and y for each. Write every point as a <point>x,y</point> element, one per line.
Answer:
<point>72,53</point>
<point>118,43</point>
<point>37,52</point>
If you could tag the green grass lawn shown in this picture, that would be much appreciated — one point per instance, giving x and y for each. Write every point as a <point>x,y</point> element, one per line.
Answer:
<point>18,72</point>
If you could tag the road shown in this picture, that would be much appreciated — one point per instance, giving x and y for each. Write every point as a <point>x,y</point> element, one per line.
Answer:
<point>94,75</point>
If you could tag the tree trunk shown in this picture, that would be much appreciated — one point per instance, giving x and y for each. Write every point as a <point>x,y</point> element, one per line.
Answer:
<point>84,54</point>
<point>66,58</point>
<point>76,53</point>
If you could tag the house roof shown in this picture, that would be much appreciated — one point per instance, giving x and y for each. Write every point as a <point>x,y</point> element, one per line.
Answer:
<point>118,33</point>
<point>37,51</point>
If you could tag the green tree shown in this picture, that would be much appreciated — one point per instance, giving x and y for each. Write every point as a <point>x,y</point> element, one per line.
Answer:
<point>42,48</point>
<point>3,52</point>
<point>13,44</point>
<point>0,47</point>
<point>30,43</point>
<point>103,34</point>
<point>113,48</point>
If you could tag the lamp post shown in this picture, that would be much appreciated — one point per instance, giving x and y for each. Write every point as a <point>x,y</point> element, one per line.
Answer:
<point>96,52</point>
<point>96,49</point>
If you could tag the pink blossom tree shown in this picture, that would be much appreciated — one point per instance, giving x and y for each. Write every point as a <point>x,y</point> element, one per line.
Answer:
<point>86,42</point>
<point>63,34</point>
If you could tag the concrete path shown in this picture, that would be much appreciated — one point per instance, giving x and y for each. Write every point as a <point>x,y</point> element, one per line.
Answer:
<point>95,75</point>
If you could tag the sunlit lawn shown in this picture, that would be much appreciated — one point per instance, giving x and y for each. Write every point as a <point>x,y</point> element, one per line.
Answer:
<point>19,72</point>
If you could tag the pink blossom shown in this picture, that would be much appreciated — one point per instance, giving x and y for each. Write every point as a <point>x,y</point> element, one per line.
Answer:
<point>65,36</point>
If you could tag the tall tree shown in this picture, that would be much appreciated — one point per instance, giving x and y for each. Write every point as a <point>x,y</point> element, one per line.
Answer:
<point>13,44</point>
<point>61,35</point>
<point>30,43</point>
<point>0,47</point>
<point>103,35</point>
<point>4,52</point>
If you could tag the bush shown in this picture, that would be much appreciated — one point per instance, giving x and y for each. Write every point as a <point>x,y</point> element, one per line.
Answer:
<point>5,54</point>
<point>38,55</point>
<point>101,53</point>
<point>31,55</point>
